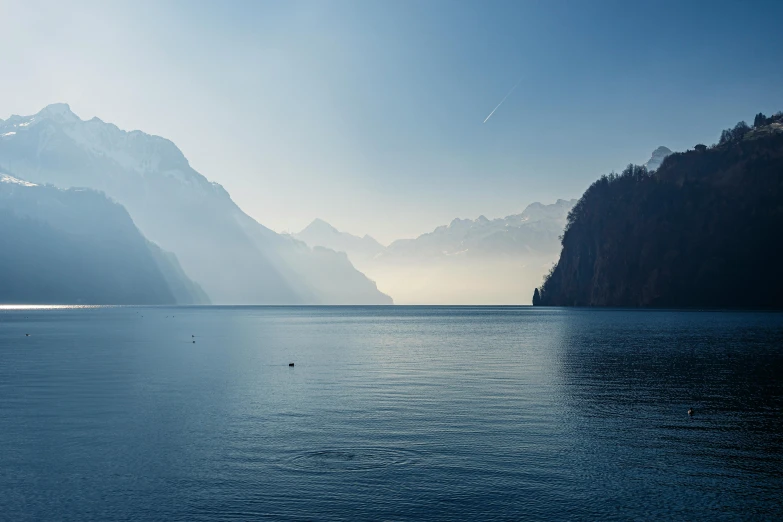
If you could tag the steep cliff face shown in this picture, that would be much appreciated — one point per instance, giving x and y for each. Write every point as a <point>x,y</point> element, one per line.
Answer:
<point>232,257</point>
<point>703,230</point>
<point>77,246</point>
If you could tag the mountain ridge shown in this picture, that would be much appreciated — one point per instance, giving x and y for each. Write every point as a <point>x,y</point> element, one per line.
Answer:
<point>468,261</point>
<point>699,231</point>
<point>77,246</point>
<point>529,230</point>
<point>234,258</point>
<point>322,234</point>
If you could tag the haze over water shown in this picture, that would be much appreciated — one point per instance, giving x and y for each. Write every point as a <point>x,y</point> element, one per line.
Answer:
<point>389,413</point>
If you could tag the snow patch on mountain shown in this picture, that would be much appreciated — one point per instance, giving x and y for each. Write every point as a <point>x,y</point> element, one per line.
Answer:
<point>5,178</point>
<point>233,257</point>
<point>133,151</point>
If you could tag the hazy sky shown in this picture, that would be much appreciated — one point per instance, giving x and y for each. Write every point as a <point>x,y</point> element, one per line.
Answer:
<point>369,114</point>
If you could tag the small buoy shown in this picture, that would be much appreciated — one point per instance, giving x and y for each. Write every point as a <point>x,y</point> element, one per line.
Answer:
<point>27,335</point>
<point>194,342</point>
<point>690,411</point>
<point>193,336</point>
<point>290,364</point>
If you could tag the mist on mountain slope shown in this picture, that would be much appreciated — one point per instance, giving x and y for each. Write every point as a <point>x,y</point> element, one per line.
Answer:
<point>469,261</point>
<point>361,250</point>
<point>77,246</point>
<point>235,259</point>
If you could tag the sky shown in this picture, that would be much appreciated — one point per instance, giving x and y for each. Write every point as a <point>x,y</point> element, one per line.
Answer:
<point>369,114</point>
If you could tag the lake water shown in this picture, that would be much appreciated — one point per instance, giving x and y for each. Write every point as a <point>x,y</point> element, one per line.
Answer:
<point>390,413</point>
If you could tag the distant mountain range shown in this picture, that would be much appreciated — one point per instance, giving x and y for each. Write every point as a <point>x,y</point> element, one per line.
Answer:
<point>206,249</point>
<point>534,231</point>
<point>77,246</point>
<point>360,250</point>
<point>231,256</point>
<point>702,230</point>
<point>469,261</point>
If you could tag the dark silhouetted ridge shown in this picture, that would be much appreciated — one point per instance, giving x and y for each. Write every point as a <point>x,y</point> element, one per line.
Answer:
<point>703,230</point>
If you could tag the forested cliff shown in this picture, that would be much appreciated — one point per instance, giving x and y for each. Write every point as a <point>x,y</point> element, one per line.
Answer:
<point>703,230</point>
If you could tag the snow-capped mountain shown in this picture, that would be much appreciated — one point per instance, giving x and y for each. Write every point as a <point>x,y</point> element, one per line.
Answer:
<point>535,230</point>
<point>234,258</point>
<point>657,158</point>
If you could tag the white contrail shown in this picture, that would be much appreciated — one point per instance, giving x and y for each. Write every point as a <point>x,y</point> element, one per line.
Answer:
<point>501,101</point>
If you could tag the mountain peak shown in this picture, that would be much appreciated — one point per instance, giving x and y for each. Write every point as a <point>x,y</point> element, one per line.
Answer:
<point>319,233</point>
<point>319,225</point>
<point>110,147</point>
<point>235,259</point>
<point>657,157</point>
<point>58,111</point>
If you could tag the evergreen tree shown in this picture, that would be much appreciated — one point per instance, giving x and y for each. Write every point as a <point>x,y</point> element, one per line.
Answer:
<point>698,232</point>
<point>536,298</point>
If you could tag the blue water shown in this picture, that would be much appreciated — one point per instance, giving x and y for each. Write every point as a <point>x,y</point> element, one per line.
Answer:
<point>390,413</point>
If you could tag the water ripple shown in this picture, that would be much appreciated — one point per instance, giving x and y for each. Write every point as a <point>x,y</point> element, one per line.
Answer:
<point>337,460</point>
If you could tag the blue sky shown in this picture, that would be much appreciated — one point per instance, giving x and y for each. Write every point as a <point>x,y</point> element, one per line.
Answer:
<point>369,114</point>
